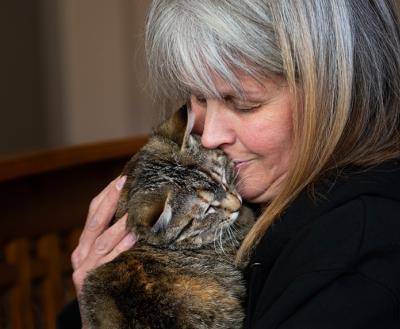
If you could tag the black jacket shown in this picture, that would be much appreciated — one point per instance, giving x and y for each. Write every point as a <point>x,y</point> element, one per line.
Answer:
<point>334,262</point>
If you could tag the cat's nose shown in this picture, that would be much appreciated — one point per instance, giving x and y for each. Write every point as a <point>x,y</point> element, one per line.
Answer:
<point>231,202</point>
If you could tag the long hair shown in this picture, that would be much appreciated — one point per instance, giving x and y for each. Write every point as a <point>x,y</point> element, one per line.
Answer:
<point>340,58</point>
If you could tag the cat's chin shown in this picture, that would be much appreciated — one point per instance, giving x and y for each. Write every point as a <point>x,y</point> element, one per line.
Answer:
<point>207,237</point>
<point>219,234</point>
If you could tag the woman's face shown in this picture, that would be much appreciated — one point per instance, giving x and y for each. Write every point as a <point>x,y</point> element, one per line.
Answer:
<point>255,132</point>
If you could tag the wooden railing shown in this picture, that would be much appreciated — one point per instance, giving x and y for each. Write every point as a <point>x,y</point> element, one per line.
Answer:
<point>44,198</point>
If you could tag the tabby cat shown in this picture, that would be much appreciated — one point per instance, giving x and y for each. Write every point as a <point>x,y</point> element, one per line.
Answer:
<point>189,220</point>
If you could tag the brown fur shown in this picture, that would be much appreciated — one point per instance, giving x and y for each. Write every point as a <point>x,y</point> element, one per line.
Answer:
<point>182,204</point>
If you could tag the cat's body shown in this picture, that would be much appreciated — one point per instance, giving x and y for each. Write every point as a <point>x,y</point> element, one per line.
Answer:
<point>182,204</point>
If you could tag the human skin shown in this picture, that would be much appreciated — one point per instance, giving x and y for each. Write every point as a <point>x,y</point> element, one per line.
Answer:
<point>255,132</point>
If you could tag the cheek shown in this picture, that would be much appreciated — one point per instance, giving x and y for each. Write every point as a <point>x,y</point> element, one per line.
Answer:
<point>277,130</point>
<point>264,137</point>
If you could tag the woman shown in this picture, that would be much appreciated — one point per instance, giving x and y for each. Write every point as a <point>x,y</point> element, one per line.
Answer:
<point>304,96</point>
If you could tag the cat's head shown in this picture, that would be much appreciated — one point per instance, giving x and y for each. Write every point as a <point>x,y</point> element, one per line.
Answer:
<point>179,193</point>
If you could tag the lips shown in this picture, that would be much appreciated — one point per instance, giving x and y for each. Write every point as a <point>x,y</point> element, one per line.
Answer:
<point>239,164</point>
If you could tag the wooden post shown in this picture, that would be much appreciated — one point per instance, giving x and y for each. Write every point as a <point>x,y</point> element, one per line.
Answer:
<point>51,285</point>
<point>21,315</point>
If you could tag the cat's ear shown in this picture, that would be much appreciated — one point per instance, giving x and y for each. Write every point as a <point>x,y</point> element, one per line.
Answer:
<point>165,217</point>
<point>178,127</point>
<point>152,211</point>
<point>187,138</point>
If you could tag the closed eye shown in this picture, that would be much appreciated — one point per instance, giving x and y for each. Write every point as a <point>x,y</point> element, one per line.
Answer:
<point>209,210</point>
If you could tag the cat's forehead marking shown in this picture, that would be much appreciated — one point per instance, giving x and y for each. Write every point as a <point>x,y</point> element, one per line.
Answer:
<point>205,196</point>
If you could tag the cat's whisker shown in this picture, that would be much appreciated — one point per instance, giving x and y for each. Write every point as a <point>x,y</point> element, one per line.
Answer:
<point>220,240</point>
<point>241,177</point>
<point>242,180</point>
<point>231,236</point>
<point>234,227</point>
<point>234,230</point>
<point>235,177</point>
<point>234,235</point>
<point>228,231</point>
<point>215,240</point>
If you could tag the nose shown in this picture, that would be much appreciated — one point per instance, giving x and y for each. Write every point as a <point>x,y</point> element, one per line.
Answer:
<point>217,125</point>
<point>231,203</point>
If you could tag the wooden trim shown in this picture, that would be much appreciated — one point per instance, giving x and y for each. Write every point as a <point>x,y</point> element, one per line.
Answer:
<point>50,191</point>
<point>44,161</point>
<point>45,197</point>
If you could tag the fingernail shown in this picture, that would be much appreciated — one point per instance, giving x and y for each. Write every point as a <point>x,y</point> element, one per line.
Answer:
<point>100,245</point>
<point>130,240</point>
<point>120,183</point>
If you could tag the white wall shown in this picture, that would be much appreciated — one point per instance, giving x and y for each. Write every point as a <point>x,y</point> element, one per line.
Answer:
<point>101,71</point>
<point>73,72</point>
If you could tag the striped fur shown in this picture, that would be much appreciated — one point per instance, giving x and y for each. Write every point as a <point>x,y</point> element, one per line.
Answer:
<point>183,206</point>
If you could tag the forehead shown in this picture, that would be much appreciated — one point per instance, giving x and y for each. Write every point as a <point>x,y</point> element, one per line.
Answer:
<point>250,86</point>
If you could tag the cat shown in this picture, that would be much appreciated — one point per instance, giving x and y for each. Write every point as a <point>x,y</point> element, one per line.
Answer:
<point>183,207</point>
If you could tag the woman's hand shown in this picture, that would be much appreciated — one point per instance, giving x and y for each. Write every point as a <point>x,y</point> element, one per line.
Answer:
<point>100,243</point>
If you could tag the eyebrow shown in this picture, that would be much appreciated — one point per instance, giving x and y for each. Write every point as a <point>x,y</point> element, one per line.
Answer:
<point>246,95</point>
<point>255,92</point>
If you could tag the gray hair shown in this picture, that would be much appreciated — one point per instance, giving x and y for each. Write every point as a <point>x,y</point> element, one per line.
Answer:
<point>341,59</point>
<point>343,55</point>
<point>187,40</point>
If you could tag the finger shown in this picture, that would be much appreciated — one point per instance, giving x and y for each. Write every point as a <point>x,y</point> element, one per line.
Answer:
<point>111,237</point>
<point>97,222</point>
<point>80,273</point>
<point>126,243</point>
<point>94,247</point>
<point>96,202</point>
<point>102,245</point>
<point>123,241</point>
<point>103,214</point>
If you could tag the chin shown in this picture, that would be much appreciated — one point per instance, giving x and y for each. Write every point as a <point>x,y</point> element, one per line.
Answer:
<point>254,195</point>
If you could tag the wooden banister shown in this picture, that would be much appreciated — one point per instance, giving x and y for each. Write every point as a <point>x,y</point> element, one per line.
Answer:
<point>44,161</point>
<point>44,200</point>
<point>50,191</point>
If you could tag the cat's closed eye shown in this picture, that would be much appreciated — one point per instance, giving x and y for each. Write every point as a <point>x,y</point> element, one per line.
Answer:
<point>209,210</point>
